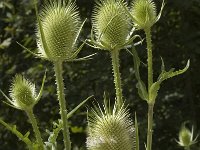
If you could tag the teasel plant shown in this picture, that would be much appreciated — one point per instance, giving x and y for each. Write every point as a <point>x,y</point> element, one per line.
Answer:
<point>143,14</point>
<point>58,29</point>
<point>111,127</point>
<point>24,97</point>
<point>111,32</point>
<point>186,137</point>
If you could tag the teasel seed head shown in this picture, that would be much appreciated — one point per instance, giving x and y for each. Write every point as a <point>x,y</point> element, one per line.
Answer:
<point>186,137</point>
<point>144,13</point>
<point>111,24</point>
<point>110,130</point>
<point>23,93</point>
<point>60,23</point>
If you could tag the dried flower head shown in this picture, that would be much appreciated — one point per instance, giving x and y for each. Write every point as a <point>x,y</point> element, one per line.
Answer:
<point>111,24</point>
<point>22,92</point>
<point>110,130</point>
<point>144,13</point>
<point>60,23</point>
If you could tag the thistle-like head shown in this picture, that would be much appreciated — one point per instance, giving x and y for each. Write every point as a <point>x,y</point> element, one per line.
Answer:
<point>110,130</point>
<point>111,24</point>
<point>57,31</point>
<point>144,13</point>
<point>22,92</point>
<point>186,137</point>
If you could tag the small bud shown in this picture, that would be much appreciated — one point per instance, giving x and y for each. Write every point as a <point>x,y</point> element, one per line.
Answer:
<point>60,23</point>
<point>111,24</point>
<point>144,13</point>
<point>111,130</point>
<point>23,93</point>
<point>186,137</point>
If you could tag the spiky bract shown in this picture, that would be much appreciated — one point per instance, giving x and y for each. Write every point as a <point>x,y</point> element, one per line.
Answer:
<point>144,13</point>
<point>61,23</point>
<point>23,93</point>
<point>110,23</point>
<point>110,130</point>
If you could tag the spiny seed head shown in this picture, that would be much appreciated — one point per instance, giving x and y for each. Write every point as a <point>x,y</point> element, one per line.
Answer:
<point>60,22</point>
<point>186,137</point>
<point>110,22</point>
<point>22,92</point>
<point>110,130</point>
<point>144,13</point>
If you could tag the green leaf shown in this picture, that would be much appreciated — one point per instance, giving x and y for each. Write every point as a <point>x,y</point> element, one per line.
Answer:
<point>58,126</point>
<point>14,130</point>
<point>77,107</point>
<point>142,90</point>
<point>153,92</point>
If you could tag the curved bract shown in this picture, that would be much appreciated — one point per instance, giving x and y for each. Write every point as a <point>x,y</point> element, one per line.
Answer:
<point>111,24</point>
<point>60,24</point>
<point>144,13</point>
<point>110,130</point>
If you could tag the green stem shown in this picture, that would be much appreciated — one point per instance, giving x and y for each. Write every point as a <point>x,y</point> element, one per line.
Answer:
<point>150,82</point>
<point>150,124</point>
<point>149,58</point>
<point>187,148</point>
<point>35,128</point>
<point>117,78</point>
<point>61,97</point>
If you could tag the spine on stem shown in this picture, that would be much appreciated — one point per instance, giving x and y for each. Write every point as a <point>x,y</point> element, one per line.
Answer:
<point>62,103</point>
<point>117,77</point>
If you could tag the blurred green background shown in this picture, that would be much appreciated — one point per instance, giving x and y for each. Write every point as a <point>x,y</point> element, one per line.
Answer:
<point>176,37</point>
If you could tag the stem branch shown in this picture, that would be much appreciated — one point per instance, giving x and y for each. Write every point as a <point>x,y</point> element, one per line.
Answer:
<point>62,103</point>
<point>35,128</point>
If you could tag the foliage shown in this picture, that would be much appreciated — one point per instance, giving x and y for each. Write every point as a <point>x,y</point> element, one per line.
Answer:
<point>177,39</point>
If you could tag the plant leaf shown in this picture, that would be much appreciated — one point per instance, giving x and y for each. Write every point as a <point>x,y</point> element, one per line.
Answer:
<point>153,91</point>
<point>77,107</point>
<point>142,90</point>
<point>14,130</point>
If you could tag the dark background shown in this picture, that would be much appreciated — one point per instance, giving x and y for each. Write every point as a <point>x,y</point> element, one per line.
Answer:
<point>176,37</point>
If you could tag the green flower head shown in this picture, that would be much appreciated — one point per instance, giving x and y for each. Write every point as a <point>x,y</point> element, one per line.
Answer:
<point>111,24</point>
<point>110,130</point>
<point>60,24</point>
<point>144,13</point>
<point>186,137</point>
<point>23,93</point>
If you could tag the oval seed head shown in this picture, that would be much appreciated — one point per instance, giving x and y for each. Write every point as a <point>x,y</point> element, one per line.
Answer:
<point>60,23</point>
<point>23,93</point>
<point>111,24</point>
<point>111,130</point>
<point>144,13</point>
<point>186,137</point>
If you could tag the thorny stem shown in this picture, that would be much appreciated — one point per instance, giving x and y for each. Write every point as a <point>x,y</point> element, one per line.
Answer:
<point>149,58</point>
<point>150,82</point>
<point>61,97</point>
<point>117,78</point>
<point>35,128</point>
